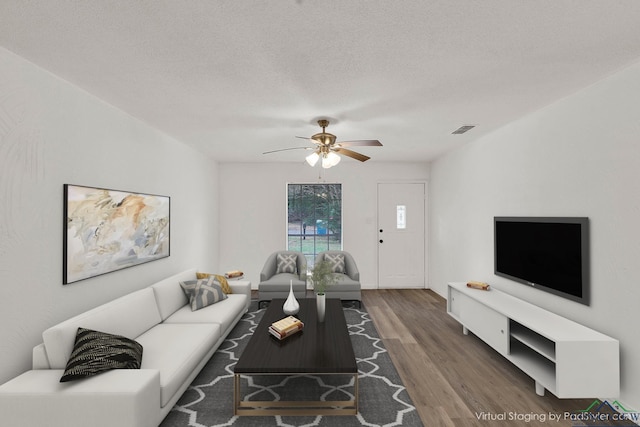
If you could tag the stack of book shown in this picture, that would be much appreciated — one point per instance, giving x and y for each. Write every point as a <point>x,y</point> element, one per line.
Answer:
<point>285,327</point>
<point>234,274</point>
<point>478,285</point>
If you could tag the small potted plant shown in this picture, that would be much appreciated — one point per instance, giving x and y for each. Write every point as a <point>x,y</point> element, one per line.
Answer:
<point>322,277</point>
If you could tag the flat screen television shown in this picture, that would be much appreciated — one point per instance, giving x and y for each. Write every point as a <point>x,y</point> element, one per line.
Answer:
<point>547,253</point>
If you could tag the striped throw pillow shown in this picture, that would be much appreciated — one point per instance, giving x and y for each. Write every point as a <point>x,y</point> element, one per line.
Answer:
<point>221,279</point>
<point>203,292</point>
<point>286,263</point>
<point>95,352</point>
<point>336,261</point>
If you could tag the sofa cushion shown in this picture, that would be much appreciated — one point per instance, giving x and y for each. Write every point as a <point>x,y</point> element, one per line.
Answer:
<point>129,316</point>
<point>221,279</point>
<point>95,352</point>
<point>223,313</point>
<point>168,292</point>
<point>286,263</point>
<point>176,350</point>
<point>118,398</point>
<point>336,261</point>
<point>203,292</point>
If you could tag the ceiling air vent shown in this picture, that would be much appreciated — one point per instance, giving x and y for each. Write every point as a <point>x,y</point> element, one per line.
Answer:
<point>462,129</point>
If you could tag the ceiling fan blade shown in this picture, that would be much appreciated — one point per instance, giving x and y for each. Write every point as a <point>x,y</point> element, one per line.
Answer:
<point>287,149</point>
<point>351,154</point>
<point>360,143</point>
<point>308,139</point>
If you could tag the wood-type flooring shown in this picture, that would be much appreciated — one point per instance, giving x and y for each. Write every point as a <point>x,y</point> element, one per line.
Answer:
<point>458,380</point>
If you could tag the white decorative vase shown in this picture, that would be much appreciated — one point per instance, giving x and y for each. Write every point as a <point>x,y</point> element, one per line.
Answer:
<point>291,305</point>
<point>320,306</point>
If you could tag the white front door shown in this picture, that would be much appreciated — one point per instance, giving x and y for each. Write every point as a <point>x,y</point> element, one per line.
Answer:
<point>401,235</point>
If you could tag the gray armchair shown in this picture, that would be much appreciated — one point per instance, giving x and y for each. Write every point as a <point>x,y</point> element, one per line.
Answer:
<point>347,288</point>
<point>279,270</point>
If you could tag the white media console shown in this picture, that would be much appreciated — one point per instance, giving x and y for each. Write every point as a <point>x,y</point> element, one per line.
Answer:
<point>562,356</point>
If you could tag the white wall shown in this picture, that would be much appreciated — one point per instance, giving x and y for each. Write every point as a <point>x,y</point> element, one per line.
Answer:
<point>52,133</point>
<point>253,212</point>
<point>577,157</point>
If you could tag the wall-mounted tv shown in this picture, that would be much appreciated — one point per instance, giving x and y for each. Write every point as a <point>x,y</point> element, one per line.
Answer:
<point>547,253</point>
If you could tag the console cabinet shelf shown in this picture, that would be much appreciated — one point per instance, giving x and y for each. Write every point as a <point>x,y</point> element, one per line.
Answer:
<point>562,356</point>
<point>536,342</point>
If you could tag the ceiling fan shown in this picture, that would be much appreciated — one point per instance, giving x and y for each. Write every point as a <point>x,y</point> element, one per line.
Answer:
<point>327,149</point>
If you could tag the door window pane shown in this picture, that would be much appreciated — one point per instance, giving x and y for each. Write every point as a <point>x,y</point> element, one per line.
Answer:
<point>401,217</point>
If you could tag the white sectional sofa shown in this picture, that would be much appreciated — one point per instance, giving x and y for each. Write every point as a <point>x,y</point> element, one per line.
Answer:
<point>177,343</point>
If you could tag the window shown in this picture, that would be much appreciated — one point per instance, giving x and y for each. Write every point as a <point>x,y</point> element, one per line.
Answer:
<point>314,219</point>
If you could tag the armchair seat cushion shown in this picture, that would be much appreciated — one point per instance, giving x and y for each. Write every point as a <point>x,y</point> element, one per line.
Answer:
<point>281,283</point>
<point>344,283</point>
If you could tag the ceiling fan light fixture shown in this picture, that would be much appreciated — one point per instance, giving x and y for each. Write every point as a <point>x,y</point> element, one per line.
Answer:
<point>326,163</point>
<point>312,158</point>
<point>333,158</point>
<point>330,159</point>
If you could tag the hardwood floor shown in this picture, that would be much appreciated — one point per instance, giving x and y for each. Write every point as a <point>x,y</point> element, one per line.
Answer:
<point>454,379</point>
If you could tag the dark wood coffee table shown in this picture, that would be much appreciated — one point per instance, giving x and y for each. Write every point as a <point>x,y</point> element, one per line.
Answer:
<point>319,349</point>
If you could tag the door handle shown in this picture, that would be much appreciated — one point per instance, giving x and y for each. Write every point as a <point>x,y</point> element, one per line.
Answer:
<point>381,230</point>
<point>380,240</point>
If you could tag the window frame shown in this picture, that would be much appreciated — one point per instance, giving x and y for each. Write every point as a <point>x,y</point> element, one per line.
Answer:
<point>303,234</point>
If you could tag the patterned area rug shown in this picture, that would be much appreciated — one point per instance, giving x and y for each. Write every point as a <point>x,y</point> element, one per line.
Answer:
<point>383,400</point>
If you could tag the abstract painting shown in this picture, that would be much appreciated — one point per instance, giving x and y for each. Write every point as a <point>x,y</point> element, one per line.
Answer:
<point>108,230</point>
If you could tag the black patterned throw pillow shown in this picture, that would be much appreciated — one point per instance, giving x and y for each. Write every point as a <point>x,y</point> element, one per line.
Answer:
<point>286,263</point>
<point>203,292</point>
<point>336,261</point>
<point>95,352</point>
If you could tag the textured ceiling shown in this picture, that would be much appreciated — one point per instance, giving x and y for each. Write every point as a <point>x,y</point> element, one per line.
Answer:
<point>236,77</point>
